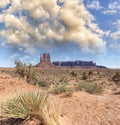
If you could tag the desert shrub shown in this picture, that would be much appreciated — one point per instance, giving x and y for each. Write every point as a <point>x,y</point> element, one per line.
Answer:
<point>31,105</point>
<point>31,74</point>
<point>42,84</point>
<point>73,73</point>
<point>61,80</point>
<point>63,89</point>
<point>27,72</point>
<point>69,92</point>
<point>98,73</point>
<point>90,88</point>
<point>84,77</point>
<point>116,78</point>
<point>59,89</point>
<point>21,68</point>
<point>90,73</point>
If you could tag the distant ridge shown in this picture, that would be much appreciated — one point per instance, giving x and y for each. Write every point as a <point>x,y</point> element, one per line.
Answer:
<point>45,62</point>
<point>75,64</point>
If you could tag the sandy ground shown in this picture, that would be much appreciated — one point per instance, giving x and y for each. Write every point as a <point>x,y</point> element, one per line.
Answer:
<point>86,109</point>
<point>10,86</point>
<point>80,109</point>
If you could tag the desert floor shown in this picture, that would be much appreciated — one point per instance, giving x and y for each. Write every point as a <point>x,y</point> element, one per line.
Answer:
<point>81,108</point>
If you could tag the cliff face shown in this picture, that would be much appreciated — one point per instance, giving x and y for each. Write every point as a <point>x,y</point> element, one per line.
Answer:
<point>75,63</point>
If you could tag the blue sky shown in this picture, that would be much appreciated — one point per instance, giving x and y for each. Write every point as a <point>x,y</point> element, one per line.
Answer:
<point>68,30</point>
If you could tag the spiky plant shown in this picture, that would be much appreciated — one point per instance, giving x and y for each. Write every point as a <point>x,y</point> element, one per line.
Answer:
<point>31,105</point>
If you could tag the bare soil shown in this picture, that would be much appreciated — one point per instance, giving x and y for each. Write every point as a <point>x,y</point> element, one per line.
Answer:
<point>79,109</point>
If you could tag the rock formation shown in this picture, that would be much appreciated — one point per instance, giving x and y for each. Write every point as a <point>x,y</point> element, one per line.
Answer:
<point>75,63</point>
<point>45,61</point>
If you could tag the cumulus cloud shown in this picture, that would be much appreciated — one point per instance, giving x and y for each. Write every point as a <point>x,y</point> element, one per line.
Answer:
<point>95,4</point>
<point>116,35</point>
<point>32,24</point>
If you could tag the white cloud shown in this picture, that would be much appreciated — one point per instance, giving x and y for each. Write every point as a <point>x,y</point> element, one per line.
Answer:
<point>4,3</point>
<point>115,5</point>
<point>117,24</point>
<point>115,46</point>
<point>80,26</point>
<point>95,4</point>
<point>44,21</point>
<point>109,12</point>
<point>1,18</point>
<point>113,8</point>
<point>116,35</point>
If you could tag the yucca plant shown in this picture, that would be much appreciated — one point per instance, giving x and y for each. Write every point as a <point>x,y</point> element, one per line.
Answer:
<point>31,105</point>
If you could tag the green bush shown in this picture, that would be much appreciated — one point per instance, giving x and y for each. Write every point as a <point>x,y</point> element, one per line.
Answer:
<point>116,78</point>
<point>84,77</point>
<point>26,72</point>
<point>69,92</point>
<point>60,89</point>
<point>31,74</point>
<point>90,73</point>
<point>21,68</point>
<point>90,88</point>
<point>73,73</point>
<point>42,84</point>
<point>31,105</point>
<point>98,73</point>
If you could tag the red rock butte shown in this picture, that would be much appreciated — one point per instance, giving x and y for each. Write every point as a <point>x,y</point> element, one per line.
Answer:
<point>45,61</point>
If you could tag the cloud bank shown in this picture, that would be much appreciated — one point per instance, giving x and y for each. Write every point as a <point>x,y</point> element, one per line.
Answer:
<point>34,24</point>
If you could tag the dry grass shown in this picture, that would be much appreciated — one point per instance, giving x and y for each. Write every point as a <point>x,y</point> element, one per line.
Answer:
<point>32,104</point>
<point>90,88</point>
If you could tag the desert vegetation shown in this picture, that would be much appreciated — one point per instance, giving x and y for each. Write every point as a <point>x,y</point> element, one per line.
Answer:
<point>90,88</point>
<point>90,92</point>
<point>26,71</point>
<point>61,80</point>
<point>116,78</point>
<point>31,105</point>
<point>67,90</point>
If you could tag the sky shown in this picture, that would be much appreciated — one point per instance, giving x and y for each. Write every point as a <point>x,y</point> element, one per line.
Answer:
<point>67,29</point>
